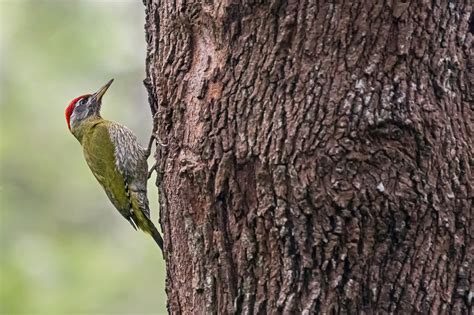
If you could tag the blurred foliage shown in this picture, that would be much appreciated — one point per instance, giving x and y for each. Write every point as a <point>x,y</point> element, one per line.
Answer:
<point>63,247</point>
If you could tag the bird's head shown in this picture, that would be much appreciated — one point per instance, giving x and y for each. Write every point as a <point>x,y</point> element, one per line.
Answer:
<point>85,106</point>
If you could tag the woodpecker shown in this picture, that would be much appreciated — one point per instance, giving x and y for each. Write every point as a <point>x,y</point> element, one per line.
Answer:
<point>116,159</point>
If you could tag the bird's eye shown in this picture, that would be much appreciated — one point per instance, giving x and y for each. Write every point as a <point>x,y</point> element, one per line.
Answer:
<point>82,101</point>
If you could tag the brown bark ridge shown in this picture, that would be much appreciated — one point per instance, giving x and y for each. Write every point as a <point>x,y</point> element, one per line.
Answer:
<point>320,155</point>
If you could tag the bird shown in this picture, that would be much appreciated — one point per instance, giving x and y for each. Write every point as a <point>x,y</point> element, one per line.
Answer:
<point>116,159</point>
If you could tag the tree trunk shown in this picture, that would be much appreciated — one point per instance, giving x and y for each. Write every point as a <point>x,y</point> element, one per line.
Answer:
<point>319,155</point>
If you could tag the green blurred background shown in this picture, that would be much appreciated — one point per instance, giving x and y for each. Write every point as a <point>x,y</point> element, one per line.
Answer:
<point>64,249</point>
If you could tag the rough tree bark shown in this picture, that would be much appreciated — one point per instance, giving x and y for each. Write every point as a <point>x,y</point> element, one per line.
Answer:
<point>320,154</point>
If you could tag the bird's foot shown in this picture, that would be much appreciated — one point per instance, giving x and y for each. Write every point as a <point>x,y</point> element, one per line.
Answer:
<point>152,169</point>
<point>154,136</point>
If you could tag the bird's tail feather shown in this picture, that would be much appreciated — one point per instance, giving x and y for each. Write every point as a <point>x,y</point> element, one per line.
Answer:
<point>146,225</point>
<point>155,234</point>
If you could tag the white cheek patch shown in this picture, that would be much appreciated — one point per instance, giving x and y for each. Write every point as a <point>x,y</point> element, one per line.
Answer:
<point>78,115</point>
<point>72,119</point>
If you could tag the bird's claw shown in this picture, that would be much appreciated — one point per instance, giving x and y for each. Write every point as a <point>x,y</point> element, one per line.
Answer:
<point>152,169</point>
<point>154,136</point>
<point>158,140</point>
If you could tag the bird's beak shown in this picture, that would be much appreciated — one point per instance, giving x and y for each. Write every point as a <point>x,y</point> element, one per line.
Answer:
<point>98,95</point>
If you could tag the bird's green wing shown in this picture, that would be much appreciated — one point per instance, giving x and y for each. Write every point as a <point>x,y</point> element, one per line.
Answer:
<point>99,152</point>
